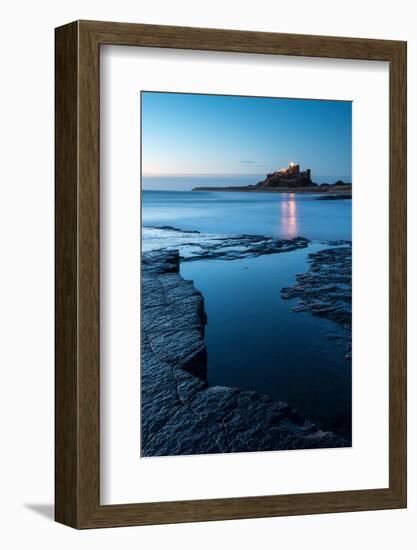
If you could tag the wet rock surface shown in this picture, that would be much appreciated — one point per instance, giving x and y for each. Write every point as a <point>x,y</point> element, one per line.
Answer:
<point>193,245</point>
<point>181,414</point>
<point>247,246</point>
<point>334,197</point>
<point>325,290</point>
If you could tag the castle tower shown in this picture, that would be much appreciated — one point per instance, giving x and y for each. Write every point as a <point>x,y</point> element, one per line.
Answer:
<point>294,169</point>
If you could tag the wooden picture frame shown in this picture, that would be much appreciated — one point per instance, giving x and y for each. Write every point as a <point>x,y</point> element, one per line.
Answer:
<point>77,382</point>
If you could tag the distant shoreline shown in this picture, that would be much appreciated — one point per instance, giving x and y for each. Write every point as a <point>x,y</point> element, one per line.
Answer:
<point>342,190</point>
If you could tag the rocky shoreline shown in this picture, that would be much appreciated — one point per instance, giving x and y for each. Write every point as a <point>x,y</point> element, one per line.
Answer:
<point>181,414</point>
<point>194,245</point>
<point>325,290</point>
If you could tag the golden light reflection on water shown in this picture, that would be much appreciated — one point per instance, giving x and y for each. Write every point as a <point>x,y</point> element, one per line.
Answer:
<point>288,217</point>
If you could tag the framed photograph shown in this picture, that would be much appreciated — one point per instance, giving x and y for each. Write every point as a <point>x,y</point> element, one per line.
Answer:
<point>230,274</point>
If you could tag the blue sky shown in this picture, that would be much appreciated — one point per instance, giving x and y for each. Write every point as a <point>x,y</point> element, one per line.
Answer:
<point>192,134</point>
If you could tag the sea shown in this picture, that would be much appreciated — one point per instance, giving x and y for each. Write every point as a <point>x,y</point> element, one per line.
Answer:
<point>254,339</point>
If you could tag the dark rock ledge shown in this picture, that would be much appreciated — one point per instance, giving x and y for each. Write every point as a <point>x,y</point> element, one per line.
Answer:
<point>193,245</point>
<point>181,414</point>
<point>325,290</point>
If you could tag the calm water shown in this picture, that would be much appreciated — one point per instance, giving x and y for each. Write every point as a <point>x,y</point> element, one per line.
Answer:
<point>279,214</point>
<point>254,341</point>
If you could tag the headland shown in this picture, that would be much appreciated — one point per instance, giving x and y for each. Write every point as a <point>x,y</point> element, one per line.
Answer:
<point>289,180</point>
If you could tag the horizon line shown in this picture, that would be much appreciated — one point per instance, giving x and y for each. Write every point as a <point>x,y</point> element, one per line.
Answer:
<point>216,174</point>
<point>190,174</point>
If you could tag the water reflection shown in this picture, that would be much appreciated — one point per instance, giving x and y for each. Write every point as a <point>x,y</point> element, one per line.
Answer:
<point>288,218</point>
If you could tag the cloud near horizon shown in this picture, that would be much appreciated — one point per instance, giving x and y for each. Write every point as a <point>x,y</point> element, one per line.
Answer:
<point>253,162</point>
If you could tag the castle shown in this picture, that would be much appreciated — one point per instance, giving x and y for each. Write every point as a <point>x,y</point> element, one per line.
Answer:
<point>288,177</point>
